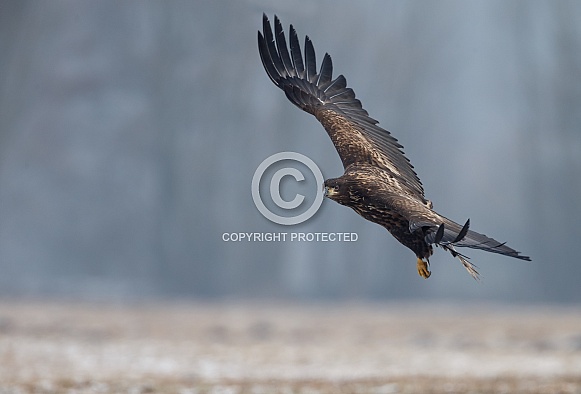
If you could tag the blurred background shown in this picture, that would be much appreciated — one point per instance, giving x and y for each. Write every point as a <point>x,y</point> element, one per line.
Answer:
<point>130,132</point>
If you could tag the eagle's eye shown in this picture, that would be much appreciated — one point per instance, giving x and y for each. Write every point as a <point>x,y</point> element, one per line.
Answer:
<point>336,188</point>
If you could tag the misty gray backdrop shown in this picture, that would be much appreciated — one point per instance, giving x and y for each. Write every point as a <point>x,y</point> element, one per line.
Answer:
<point>130,131</point>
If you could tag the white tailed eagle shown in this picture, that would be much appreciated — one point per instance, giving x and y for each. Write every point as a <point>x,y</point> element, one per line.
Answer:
<point>379,182</point>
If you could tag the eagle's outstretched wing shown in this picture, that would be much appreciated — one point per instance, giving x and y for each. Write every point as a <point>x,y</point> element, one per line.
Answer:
<point>454,234</point>
<point>444,232</point>
<point>356,136</point>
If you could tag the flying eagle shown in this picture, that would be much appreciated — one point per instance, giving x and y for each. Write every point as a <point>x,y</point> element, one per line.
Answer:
<point>379,182</point>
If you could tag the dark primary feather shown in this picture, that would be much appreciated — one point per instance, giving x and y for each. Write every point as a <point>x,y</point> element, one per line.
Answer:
<point>439,230</point>
<point>443,231</point>
<point>475,240</point>
<point>333,104</point>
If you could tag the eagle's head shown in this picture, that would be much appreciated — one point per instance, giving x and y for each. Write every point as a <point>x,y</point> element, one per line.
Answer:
<point>337,189</point>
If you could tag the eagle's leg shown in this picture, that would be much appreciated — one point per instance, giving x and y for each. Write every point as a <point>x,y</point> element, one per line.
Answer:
<point>423,268</point>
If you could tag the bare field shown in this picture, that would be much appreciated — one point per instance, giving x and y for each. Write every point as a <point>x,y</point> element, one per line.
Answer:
<point>50,347</point>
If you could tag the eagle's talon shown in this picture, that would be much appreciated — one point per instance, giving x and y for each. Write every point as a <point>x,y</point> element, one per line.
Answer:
<point>423,270</point>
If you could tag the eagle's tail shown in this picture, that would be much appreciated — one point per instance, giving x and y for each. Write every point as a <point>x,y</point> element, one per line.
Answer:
<point>450,235</point>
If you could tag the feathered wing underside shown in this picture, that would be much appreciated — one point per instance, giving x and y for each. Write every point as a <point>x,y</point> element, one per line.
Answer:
<point>444,232</point>
<point>356,136</point>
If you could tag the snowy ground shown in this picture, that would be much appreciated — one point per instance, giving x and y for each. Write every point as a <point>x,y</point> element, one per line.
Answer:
<point>49,347</point>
